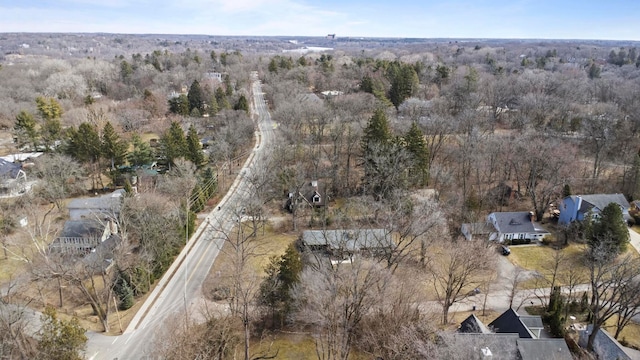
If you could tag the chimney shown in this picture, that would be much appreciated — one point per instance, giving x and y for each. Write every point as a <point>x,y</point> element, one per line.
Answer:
<point>532,216</point>
<point>486,353</point>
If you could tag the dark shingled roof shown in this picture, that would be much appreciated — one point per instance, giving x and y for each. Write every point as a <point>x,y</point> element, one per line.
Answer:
<point>9,170</point>
<point>82,228</point>
<point>509,322</point>
<point>473,325</point>
<point>516,222</point>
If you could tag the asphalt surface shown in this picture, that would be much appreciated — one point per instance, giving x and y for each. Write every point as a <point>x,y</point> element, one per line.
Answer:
<point>181,287</point>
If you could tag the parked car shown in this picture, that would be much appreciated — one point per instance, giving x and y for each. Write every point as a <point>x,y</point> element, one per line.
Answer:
<point>505,250</point>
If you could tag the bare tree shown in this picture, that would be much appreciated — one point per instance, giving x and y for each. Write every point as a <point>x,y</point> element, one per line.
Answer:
<point>514,284</point>
<point>457,270</point>
<point>215,338</point>
<point>240,282</point>
<point>336,298</point>
<point>60,177</point>
<point>612,285</point>
<point>16,328</point>
<point>414,220</point>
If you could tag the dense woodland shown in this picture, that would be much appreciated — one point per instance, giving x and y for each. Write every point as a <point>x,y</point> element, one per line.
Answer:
<point>466,119</point>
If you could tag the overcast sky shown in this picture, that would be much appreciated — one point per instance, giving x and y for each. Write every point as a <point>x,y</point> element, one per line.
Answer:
<point>547,19</point>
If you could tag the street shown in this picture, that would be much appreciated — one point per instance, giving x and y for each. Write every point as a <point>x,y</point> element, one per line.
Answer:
<point>180,287</point>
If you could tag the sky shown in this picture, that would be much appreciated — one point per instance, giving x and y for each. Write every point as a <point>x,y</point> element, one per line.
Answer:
<point>539,19</point>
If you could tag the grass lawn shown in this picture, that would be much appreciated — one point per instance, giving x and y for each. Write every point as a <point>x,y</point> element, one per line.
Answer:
<point>542,259</point>
<point>265,245</point>
<point>630,334</point>
<point>295,346</point>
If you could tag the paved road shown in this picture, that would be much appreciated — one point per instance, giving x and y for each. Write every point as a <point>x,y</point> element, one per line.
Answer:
<point>181,286</point>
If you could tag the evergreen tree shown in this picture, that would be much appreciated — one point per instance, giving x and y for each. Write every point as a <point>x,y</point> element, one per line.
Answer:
<point>242,104</point>
<point>377,130</point>
<point>84,143</point>
<point>273,66</point>
<point>417,148</point>
<point>404,82</point>
<point>213,107</point>
<point>25,129</point>
<point>594,71</point>
<point>48,108</point>
<point>227,85</point>
<point>609,229</point>
<point>209,183</point>
<point>124,292</point>
<point>60,339</point>
<point>141,154</point>
<point>173,143</point>
<point>283,274</point>
<point>113,148</point>
<point>180,105</point>
<point>196,97</point>
<point>50,132</point>
<point>566,190</point>
<point>194,149</point>
<point>221,99</point>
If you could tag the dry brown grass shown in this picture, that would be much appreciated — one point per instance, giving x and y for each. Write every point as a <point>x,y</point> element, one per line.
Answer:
<point>295,346</point>
<point>630,333</point>
<point>265,245</point>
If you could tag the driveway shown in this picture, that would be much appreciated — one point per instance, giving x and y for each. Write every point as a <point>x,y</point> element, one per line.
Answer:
<point>634,239</point>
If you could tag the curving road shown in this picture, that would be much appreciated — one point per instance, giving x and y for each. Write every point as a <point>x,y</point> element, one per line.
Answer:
<point>180,287</point>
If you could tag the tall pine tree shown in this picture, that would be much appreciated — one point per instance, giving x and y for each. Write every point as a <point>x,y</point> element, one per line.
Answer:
<point>26,129</point>
<point>419,163</point>
<point>194,149</point>
<point>141,154</point>
<point>173,143</point>
<point>114,148</point>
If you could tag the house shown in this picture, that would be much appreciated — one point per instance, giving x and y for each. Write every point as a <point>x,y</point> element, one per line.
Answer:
<point>526,326</point>
<point>482,230</point>
<point>80,237</point>
<point>473,325</point>
<point>517,226</point>
<point>512,336</point>
<point>575,207</point>
<point>605,346</point>
<point>348,242</point>
<point>103,207</point>
<point>311,194</point>
<point>12,178</point>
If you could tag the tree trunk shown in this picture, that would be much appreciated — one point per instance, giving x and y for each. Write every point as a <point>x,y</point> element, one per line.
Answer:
<point>445,314</point>
<point>592,337</point>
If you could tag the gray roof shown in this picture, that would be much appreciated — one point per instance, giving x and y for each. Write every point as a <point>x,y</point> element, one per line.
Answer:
<point>543,349</point>
<point>472,346</point>
<point>516,222</point>
<point>110,202</point>
<point>9,170</point>
<point>532,322</point>
<point>600,201</point>
<point>350,240</point>
<point>479,228</point>
<point>82,229</point>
